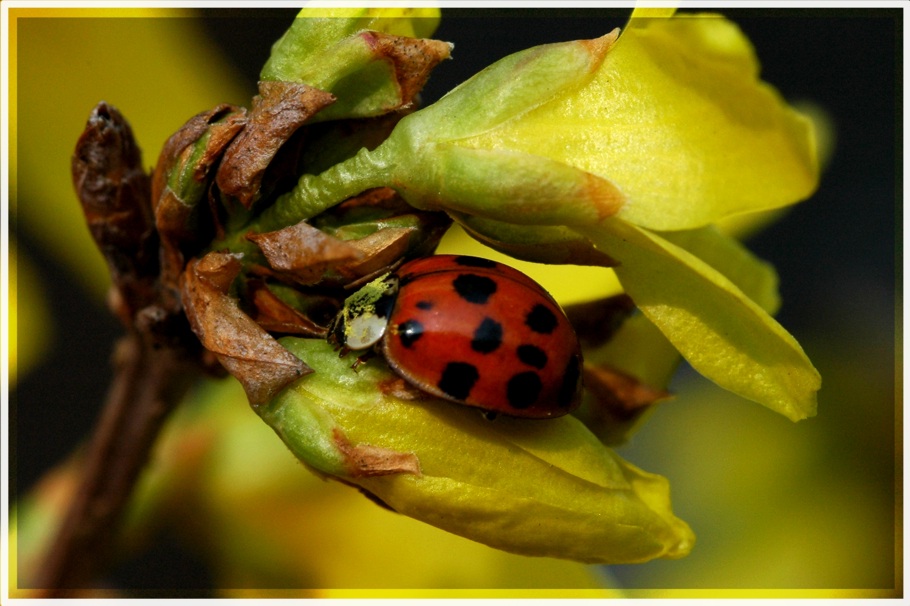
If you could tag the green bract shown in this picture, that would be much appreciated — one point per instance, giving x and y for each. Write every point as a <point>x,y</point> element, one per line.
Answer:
<point>355,54</point>
<point>536,488</point>
<point>300,54</point>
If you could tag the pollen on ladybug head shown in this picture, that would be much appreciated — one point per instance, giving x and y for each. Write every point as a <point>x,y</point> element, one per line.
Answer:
<point>364,319</point>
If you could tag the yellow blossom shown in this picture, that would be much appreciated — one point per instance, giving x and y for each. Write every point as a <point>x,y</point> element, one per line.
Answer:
<point>612,144</point>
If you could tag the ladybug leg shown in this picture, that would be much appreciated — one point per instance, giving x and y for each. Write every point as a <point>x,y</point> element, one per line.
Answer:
<point>489,415</point>
<point>362,358</point>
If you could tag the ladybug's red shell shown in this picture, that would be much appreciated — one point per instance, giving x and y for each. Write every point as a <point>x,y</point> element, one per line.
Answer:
<point>483,334</point>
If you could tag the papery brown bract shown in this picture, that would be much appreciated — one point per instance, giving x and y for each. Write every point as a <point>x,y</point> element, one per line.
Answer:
<point>595,322</point>
<point>276,316</point>
<point>382,72</point>
<point>620,396</point>
<point>278,111</point>
<point>411,58</point>
<point>304,253</point>
<point>181,178</point>
<point>246,350</point>
<point>366,461</point>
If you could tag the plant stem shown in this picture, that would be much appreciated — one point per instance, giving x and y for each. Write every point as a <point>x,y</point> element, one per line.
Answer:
<point>316,193</point>
<point>149,382</point>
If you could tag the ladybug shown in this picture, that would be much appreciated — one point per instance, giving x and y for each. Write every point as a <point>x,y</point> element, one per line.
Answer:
<point>469,330</point>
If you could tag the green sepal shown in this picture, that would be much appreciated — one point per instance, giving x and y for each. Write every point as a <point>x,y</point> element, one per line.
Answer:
<point>301,52</point>
<point>504,186</point>
<point>507,89</point>
<point>339,51</point>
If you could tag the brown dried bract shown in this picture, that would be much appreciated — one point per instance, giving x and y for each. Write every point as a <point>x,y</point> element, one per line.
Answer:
<point>279,110</point>
<point>364,460</point>
<point>247,351</point>
<point>619,396</point>
<point>380,250</point>
<point>176,216</point>
<point>181,143</point>
<point>401,389</point>
<point>412,59</point>
<point>595,322</point>
<point>304,253</point>
<point>276,316</point>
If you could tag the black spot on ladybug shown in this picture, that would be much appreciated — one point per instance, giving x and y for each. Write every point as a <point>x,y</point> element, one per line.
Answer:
<point>532,355</point>
<point>487,336</point>
<point>458,379</point>
<point>467,261</point>
<point>541,320</point>
<point>523,389</point>
<point>569,383</point>
<point>424,305</point>
<point>473,288</point>
<point>409,331</point>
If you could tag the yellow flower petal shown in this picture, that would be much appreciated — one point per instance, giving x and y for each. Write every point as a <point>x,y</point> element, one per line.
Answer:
<point>756,278</point>
<point>220,478</point>
<point>533,488</point>
<point>642,15</point>
<point>567,283</point>
<point>723,334</point>
<point>677,119</point>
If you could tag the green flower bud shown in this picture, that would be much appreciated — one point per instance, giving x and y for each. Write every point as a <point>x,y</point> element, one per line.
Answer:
<point>424,160</point>
<point>543,489</point>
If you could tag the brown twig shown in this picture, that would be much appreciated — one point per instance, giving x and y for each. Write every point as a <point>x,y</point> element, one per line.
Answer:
<point>154,363</point>
<point>149,382</point>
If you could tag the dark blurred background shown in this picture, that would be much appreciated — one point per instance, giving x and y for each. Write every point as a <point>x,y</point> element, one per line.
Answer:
<point>731,464</point>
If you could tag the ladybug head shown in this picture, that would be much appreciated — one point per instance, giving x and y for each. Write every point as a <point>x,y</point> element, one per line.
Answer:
<point>362,321</point>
